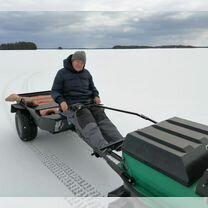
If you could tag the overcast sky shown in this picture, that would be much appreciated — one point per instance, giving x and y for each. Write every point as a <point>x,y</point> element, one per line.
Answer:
<point>104,29</point>
<point>104,23</point>
<point>105,5</point>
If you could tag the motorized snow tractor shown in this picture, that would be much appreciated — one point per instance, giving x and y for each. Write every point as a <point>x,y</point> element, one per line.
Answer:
<point>166,159</point>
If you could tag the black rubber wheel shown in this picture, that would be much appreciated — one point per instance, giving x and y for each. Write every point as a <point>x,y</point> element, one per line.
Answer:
<point>26,128</point>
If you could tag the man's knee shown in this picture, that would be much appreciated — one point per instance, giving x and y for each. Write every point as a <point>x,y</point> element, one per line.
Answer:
<point>98,113</point>
<point>84,117</point>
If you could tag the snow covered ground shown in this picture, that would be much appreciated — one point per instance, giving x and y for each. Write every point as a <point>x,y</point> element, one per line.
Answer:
<point>159,83</point>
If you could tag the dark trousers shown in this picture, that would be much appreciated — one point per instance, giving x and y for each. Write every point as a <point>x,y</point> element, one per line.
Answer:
<point>95,127</point>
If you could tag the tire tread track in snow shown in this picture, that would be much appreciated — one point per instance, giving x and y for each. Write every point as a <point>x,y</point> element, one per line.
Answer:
<point>73,181</point>
<point>88,202</point>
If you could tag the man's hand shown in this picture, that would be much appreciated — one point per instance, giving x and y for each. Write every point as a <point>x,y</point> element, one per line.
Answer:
<point>64,106</point>
<point>97,100</point>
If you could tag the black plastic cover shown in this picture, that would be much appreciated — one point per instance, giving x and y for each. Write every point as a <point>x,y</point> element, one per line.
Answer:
<point>176,147</point>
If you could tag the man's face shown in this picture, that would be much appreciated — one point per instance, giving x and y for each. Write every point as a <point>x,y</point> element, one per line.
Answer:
<point>78,65</point>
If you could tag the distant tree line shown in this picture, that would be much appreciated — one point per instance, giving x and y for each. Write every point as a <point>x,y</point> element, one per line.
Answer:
<point>143,47</point>
<point>18,46</point>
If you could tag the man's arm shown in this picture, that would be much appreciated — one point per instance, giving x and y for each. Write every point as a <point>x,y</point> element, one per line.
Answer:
<point>93,88</point>
<point>57,88</point>
<point>95,92</point>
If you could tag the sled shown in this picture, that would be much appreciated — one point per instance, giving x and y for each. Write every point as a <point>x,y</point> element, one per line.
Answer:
<point>28,118</point>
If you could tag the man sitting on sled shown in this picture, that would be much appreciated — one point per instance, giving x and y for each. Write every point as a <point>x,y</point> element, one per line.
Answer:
<point>73,85</point>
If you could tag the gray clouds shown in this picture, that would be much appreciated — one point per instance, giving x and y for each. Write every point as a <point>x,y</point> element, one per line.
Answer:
<point>104,29</point>
<point>104,5</point>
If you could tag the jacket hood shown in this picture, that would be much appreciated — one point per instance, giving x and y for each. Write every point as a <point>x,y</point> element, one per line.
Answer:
<point>68,64</point>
